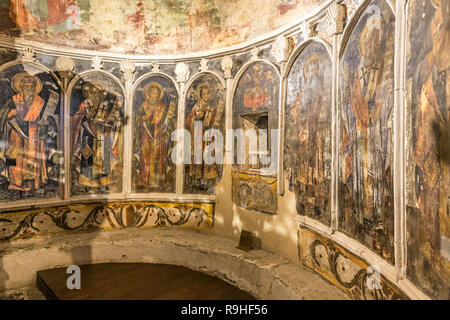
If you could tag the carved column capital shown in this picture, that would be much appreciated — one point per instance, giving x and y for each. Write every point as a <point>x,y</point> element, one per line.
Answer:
<point>28,54</point>
<point>182,72</point>
<point>97,63</point>
<point>155,66</point>
<point>227,66</point>
<point>335,17</point>
<point>65,67</point>
<point>203,65</point>
<point>256,53</point>
<point>127,67</point>
<point>280,49</point>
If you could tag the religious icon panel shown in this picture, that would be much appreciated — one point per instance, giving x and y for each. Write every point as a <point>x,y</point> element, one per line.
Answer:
<point>308,132</point>
<point>428,153</point>
<point>366,146</point>
<point>96,110</point>
<point>29,134</point>
<point>205,110</point>
<point>154,119</point>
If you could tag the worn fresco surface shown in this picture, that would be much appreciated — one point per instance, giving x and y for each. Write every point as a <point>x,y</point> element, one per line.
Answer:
<point>366,148</point>
<point>107,216</point>
<point>308,132</point>
<point>255,107</point>
<point>146,26</point>
<point>428,164</point>
<point>343,269</point>
<point>155,117</point>
<point>96,110</point>
<point>205,109</point>
<point>29,134</point>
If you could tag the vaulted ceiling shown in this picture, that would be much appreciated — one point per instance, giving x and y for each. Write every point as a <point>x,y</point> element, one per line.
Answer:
<point>147,26</point>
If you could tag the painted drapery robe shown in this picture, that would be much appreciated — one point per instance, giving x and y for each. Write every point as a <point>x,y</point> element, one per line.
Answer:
<point>428,165</point>
<point>154,124</point>
<point>25,148</point>
<point>25,144</point>
<point>308,132</point>
<point>201,176</point>
<point>96,129</point>
<point>366,134</point>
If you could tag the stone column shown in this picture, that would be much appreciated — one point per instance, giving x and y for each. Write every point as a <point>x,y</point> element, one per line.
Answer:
<point>335,16</point>
<point>182,72</point>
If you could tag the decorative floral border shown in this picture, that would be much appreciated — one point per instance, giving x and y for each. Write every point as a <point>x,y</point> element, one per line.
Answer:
<point>343,269</point>
<point>108,216</point>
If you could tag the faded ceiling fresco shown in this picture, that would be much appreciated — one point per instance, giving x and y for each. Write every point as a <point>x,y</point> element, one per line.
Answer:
<point>147,26</point>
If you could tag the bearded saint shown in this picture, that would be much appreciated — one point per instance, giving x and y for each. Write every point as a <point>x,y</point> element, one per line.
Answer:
<point>24,155</point>
<point>152,136</point>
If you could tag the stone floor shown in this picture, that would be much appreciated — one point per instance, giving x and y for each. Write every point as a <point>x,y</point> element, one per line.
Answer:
<point>263,274</point>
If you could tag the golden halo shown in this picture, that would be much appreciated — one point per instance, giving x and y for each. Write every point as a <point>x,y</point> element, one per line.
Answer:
<point>88,85</point>
<point>18,78</point>
<point>148,86</point>
<point>312,58</point>
<point>202,85</point>
<point>373,23</point>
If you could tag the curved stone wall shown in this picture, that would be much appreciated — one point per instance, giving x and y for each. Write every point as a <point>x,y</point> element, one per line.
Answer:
<point>263,274</point>
<point>355,181</point>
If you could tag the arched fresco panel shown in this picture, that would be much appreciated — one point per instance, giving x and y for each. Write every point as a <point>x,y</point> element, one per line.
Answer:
<point>255,109</point>
<point>428,154</point>
<point>205,109</point>
<point>366,148</point>
<point>96,136</point>
<point>30,134</point>
<point>154,119</point>
<point>308,132</point>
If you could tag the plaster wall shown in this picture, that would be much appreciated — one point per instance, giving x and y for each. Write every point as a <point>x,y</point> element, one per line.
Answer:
<point>379,242</point>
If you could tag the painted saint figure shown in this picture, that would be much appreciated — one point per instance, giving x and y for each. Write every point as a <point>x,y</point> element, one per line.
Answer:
<point>367,136</point>
<point>96,127</point>
<point>202,176</point>
<point>431,153</point>
<point>24,155</point>
<point>154,124</point>
<point>308,128</point>
<point>258,95</point>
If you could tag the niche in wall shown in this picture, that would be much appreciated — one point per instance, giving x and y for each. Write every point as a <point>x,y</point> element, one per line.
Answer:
<point>255,106</point>
<point>96,134</point>
<point>366,96</point>
<point>30,133</point>
<point>257,124</point>
<point>307,149</point>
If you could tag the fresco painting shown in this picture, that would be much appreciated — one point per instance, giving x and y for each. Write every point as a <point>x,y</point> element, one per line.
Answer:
<point>154,114</point>
<point>428,164</point>
<point>343,268</point>
<point>308,132</point>
<point>146,26</point>
<point>366,147</point>
<point>255,107</point>
<point>29,134</point>
<point>205,104</point>
<point>96,109</point>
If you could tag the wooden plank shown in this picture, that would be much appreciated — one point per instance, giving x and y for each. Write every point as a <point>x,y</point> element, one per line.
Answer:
<point>137,281</point>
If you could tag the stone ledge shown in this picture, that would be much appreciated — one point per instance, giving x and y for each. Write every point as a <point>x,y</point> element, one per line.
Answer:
<point>261,273</point>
